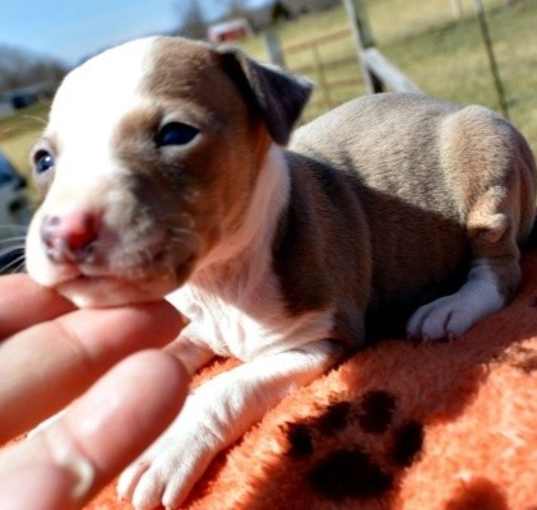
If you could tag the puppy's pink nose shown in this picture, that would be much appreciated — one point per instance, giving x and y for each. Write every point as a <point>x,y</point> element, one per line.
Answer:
<point>69,238</point>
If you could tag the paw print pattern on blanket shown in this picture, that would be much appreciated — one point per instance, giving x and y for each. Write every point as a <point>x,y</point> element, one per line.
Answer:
<point>352,472</point>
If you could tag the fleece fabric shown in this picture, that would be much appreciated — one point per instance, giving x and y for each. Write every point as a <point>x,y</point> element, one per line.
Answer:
<point>400,426</point>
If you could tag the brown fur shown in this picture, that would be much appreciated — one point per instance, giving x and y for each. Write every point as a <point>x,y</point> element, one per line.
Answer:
<point>212,182</point>
<point>436,181</point>
<point>313,244</point>
<point>215,178</point>
<point>393,200</point>
<point>376,185</point>
<point>475,398</point>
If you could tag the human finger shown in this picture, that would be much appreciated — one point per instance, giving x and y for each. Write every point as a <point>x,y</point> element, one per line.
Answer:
<point>68,463</point>
<point>24,303</point>
<point>44,367</point>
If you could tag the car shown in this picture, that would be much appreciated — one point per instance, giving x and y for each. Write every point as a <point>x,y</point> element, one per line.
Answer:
<point>15,213</point>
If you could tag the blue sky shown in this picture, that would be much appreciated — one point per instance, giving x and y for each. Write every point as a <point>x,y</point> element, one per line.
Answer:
<point>72,29</point>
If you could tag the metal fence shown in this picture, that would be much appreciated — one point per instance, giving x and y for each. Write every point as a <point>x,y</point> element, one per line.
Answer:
<point>378,73</point>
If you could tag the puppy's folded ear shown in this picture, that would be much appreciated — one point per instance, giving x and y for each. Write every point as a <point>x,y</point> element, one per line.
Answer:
<point>276,95</point>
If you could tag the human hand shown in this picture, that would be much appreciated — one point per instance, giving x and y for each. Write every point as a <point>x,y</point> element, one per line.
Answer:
<point>50,354</point>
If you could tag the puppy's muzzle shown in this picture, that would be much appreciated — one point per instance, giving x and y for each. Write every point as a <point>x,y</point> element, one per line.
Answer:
<point>71,237</point>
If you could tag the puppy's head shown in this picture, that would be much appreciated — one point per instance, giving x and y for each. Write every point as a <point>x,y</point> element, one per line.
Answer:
<point>148,163</point>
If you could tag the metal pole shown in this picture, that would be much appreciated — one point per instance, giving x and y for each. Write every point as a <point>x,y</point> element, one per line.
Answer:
<point>492,59</point>
<point>274,48</point>
<point>456,8</point>
<point>322,76</point>
<point>363,40</point>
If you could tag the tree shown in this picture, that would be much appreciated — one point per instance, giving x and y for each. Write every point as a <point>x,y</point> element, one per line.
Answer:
<point>191,20</point>
<point>20,68</point>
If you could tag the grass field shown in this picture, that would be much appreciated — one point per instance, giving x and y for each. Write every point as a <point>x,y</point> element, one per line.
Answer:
<point>443,55</point>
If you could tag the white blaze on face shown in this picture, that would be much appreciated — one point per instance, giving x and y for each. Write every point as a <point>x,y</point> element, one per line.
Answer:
<point>89,106</point>
<point>85,113</point>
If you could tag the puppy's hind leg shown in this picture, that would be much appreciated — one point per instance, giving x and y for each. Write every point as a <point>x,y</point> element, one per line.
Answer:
<point>494,274</point>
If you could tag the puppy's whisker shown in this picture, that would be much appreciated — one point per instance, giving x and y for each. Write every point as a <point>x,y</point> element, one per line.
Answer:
<point>13,242</point>
<point>6,250</point>
<point>16,239</point>
<point>11,249</point>
<point>13,263</point>
<point>21,268</point>
<point>14,227</point>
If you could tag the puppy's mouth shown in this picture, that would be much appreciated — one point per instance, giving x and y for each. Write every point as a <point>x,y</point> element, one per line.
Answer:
<point>109,291</point>
<point>138,266</point>
<point>96,262</point>
<point>138,278</point>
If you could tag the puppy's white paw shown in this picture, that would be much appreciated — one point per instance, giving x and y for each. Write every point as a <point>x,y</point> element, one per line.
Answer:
<point>453,315</point>
<point>167,471</point>
<point>447,317</point>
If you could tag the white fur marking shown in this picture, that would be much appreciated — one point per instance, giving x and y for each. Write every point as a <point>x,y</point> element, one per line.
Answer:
<point>234,300</point>
<point>214,416</point>
<point>86,110</point>
<point>235,306</point>
<point>453,315</point>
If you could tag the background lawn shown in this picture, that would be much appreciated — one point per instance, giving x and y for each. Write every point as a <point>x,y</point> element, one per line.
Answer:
<point>443,55</point>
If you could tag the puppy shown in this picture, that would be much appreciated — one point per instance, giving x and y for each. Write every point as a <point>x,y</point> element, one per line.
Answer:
<point>163,172</point>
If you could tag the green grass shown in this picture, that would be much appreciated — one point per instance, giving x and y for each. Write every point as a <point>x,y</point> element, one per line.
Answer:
<point>449,61</point>
<point>442,55</point>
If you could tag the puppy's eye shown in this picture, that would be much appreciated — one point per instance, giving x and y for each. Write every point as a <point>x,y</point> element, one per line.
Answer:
<point>175,133</point>
<point>43,161</point>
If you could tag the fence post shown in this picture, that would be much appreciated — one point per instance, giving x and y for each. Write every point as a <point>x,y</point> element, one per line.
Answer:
<point>322,76</point>
<point>492,59</point>
<point>456,8</point>
<point>274,48</point>
<point>363,40</point>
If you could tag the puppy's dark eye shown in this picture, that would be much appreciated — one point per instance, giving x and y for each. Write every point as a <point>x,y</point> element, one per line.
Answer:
<point>43,161</point>
<point>175,133</point>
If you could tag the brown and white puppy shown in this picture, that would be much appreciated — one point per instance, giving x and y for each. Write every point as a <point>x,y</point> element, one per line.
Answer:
<point>163,172</point>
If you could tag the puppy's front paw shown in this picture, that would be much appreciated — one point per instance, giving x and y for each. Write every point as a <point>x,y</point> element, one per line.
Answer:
<point>447,317</point>
<point>167,471</point>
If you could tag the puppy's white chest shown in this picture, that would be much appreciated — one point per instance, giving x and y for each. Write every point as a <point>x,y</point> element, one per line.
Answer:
<point>234,300</point>
<point>248,325</point>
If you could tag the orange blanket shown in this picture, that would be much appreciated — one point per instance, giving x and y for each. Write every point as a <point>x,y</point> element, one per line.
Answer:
<point>400,426</point>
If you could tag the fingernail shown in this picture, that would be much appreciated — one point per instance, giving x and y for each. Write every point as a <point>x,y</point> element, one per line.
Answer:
<point>67,455</point>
